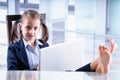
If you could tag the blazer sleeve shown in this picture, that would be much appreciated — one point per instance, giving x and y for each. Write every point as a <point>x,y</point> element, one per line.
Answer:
<point>11,59</point>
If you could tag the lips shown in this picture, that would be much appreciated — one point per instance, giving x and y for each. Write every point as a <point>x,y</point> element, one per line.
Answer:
<point>30,36</point>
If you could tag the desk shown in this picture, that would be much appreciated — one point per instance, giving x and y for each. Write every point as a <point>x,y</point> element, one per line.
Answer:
<point>54,75</point>
<point>64,76</point>
<point>109,76</point>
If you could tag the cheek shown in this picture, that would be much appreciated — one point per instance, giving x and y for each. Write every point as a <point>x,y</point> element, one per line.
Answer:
<point>24,32</point>
<point>38,30</point>
<point>21,28</point>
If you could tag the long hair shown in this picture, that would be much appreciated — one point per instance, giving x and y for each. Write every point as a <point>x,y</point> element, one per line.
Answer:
<point>17,34</point>
<point>45,32</point>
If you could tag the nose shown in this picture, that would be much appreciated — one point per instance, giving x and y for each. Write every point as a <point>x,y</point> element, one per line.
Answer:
<point>31,31</point>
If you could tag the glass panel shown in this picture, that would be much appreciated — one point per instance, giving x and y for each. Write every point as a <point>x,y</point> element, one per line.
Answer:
<point>71,23</point>
<point>23,9</point>
<point>21,1</point>
<point>3,34</point>
<point>114,29</point>
<point>58,37</point>
<point>71,2</point>
<point>85,15</point>
<point>3,29</point>
<point>114,17</point>
<point>33,1</point>
<point>3,0</point>
<point>58,34</point>
<point>3,13</point>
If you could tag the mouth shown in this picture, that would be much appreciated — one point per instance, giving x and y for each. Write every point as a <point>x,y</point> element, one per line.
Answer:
<point>31,36</point>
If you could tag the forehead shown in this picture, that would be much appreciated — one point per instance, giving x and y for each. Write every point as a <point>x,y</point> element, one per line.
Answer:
<point>31,21</point>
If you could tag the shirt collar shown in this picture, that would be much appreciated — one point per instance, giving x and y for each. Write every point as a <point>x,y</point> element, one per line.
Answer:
<point>36,41</point>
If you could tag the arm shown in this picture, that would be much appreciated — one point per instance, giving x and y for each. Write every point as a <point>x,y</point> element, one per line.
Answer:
<point>11,59</point>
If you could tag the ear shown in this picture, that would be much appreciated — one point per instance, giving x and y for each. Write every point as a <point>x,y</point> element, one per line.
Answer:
<point>20,25</point>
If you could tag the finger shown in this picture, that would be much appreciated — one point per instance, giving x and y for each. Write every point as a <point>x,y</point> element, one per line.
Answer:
<point>106,52</point>
<point>100,51</point>
<point>104,47</point>
<point>112,46</point>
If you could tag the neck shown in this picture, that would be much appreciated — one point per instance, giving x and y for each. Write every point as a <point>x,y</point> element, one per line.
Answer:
<point>32,44</point>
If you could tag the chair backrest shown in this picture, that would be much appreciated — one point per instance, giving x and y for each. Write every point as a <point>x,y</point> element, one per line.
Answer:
<point>11,18</point>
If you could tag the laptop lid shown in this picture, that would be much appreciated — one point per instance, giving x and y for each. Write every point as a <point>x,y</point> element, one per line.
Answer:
<point>63,56</point>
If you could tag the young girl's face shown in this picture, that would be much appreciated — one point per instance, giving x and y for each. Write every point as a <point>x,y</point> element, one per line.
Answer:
<point>30,28</point>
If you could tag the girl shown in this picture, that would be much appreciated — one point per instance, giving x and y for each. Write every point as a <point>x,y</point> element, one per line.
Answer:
<point>24,53</point>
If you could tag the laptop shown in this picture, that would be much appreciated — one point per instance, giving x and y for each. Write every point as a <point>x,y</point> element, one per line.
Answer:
<point>65,56</point>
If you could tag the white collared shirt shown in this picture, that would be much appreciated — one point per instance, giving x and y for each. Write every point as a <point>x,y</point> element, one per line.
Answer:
<point>33,54</point>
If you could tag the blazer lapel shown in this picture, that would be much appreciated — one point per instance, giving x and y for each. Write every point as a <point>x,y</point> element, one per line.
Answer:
<point>22,55</point>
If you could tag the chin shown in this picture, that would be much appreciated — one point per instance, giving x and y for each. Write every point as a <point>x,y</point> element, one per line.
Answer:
<point>31,39</point>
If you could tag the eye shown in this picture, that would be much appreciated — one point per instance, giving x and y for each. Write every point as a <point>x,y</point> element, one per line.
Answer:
<point>35,28</point>
<point>28,27</point>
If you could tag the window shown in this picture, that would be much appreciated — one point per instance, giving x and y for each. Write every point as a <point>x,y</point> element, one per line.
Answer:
<point>3,29</point>
<point>21,1</point>
<point>3,13</point>
<point>114,17</point>
<point>33,1</point>
<point>3,0</point>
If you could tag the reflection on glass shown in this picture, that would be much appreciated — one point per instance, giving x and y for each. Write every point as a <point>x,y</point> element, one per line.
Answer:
<point>13,75</point>
<point>99,76</point>
<point>22,75</point>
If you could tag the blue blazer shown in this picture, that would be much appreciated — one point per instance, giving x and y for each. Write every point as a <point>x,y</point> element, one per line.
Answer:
<point>17,57</point>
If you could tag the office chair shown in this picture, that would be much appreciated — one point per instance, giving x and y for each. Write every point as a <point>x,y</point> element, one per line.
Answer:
<point>10,27</point>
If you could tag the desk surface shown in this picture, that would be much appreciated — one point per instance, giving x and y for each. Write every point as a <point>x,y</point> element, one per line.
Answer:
<point>50,75</point>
